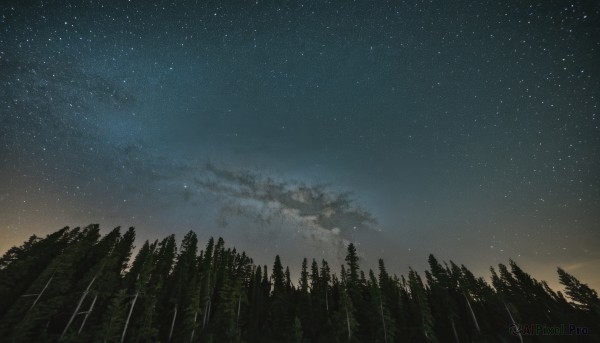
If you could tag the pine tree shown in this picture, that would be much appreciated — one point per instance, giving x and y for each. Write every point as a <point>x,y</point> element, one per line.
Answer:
<point>140,327</point>
<point>582,296</point>
<point>101,282</point>
<point>353,269</point>
<point>230,300</point>
<point>443,299</point>
<point>325,280</point>
<point>257,306</point>
<point>418,294</point>
<point>178,291</point>
<point>112,326</point>
<point>344,319</point>
<point>42,321</point>
<point>304,309</point>
<point>20,266</point>
<point>539,305</point>
<point>279,321</point>
<point>86,292</point>
<point>391,296</point>
<point>381,320</point>
<point>472,297</point>
<point>165,255</point>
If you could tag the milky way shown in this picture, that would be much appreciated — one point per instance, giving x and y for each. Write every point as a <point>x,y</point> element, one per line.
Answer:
<point>467,130</point>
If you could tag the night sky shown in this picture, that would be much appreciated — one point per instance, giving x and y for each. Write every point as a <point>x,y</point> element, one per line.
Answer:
<point>467,129</point>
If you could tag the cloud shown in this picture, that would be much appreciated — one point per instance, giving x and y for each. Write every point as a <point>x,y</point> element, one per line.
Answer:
<point>326,218</point>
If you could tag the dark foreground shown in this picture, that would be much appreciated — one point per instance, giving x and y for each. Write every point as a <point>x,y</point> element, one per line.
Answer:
<point>78,286</point>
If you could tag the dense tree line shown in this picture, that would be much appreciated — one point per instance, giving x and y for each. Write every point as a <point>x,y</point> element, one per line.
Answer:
<point>76,285</point>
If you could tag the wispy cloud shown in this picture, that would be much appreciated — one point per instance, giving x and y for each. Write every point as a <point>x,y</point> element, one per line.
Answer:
<point>323,216</point>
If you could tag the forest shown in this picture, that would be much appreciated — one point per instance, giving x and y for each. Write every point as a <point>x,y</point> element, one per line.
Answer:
<point>77,285</point>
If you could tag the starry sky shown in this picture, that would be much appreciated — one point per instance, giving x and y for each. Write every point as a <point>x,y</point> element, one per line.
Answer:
<point>465,129</point>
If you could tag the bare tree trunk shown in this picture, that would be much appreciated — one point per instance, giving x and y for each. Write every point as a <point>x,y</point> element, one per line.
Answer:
<point>382,319</point>
<point>513,322</point>
<point>78,306</point>
<point>348,323</point>
<point>206,313</point>
<point>87,314</point>
<point>129,316</point>
<point>209,308</point>
<point>194,329</point>
<point>454,330</point>
<point>472,313</point>
<point>237,322</point>
<point>173,323</point>
<point>39,295</point>
<point>326,300</point>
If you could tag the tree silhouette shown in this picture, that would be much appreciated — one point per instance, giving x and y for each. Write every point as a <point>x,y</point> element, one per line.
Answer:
<point>76,285</point>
